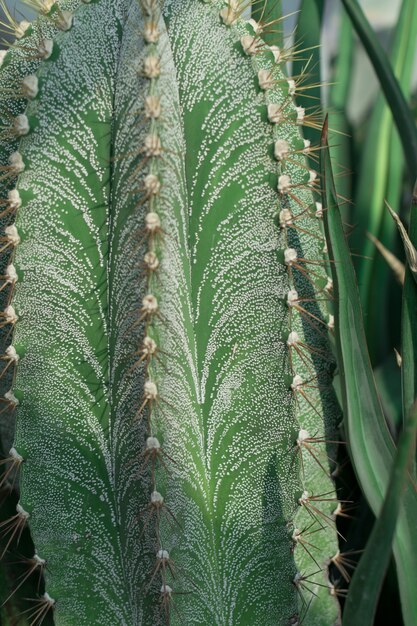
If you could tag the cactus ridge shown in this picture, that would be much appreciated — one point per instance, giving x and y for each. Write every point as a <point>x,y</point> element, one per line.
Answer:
<point>184,372</point>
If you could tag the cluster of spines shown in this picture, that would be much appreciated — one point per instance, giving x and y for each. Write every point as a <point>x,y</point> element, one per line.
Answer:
<point>29,51</point>
<point>149,352</point>
<point>284,113</point>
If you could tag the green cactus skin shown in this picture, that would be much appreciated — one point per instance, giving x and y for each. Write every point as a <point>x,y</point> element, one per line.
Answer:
<point>175,412</point>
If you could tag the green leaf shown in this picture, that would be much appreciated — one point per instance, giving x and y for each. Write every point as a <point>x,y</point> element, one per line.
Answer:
<point>366,585</point>
<point>370,444</point>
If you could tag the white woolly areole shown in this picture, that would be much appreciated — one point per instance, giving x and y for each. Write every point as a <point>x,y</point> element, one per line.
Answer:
<point>290,255</point>
<point>12,234</point>
<point>21,512</point>
<point>297,382</point>
<point>285,218</point>
<point>248,44</point>
<point>281,149</point>
<point>330,323</point>
<point>13,453</point>
<point>296,534</point>
<point>11,274</point>
<point>162,554</point>
<point>152,184</point>
<point>45,48</point>
<point>150,390</point>
<point>16,162</point>
<point>307,146</point>
<point>257,28</point>
<point>276,52</point>
<point>298,576</point>
<point>304,497</point>
<point>156,498</point>
<point>300,114</point>
<point>47,5</point>
<point>325,249</point>
<point>302,436</point>
<point>151,32</point>
<point>329,284</point>
<point>149,345</point>
<point>284,183</point>
<point>166,590</point>
<point>293,338</point>
<point>292,297</point>
<point>40,562</point>
<point>151,260</point>
<point>12,354</point>
<point>47,598</point>
<point>2,55</point>
<point>319,210</point>
<point>152,443</point>
<point>152,66</point>
<point>21,28</point>
<point>149,6</point>
<point>152,221</point>
<point>266,80</point>
<point>64,20</point>
<point>21,125</point>
<point>152,145</point>
<point>30,86</point>
<point>10,397</point>
<point>150,303</point>
<point>291,87</point>
<point>274,113</point>
<point>10,314</point>
<point>312,177</point>
<point>230,13</point>
<point>14,199</point>
<point>153,107</point>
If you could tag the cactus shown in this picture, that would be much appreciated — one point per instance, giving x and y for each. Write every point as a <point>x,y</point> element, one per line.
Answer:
<point>164,281</point>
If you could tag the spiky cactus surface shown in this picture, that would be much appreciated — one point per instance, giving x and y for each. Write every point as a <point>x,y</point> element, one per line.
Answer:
<point>164,282</point>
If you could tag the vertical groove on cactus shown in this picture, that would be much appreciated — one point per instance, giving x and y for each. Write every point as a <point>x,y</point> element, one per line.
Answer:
<point>175,412</point>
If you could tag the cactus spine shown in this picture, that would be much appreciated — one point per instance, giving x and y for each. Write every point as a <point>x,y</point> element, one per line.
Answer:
<point>173,379</point>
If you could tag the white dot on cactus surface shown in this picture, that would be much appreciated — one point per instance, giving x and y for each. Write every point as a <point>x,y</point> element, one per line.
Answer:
<point>151,32</point>
<point>300,114</point>
<point>21,28</point>
<point>285,218</point>
<point>30,86</point>
<point>303,435</point>
<point>292,297</point>
<point>152,443</point>
<point>275,113</point>
<point>150,303</point>
<point>276,52</point>
<point>14,199</point>
<point>152,221</point>
<point>16,162</point>
<point>293,338</point>
<point>2,55</point>
<point>297,382</point>
<point>152,66</point>
<point>10,314</point>
<point>11,353</point>
<point>21,125</point>
<point>156,498</point>
<point>163,554</point>
<point>266,80</point>
<point>290,255</point>
<point>13,453</point>
<point>150,390</point>
<point>152,145</point>
<point>249,44</point>
<point>151,260</point>
<point>11,274</point>
<point>284,183</point>
<point>12,234</point>
<point>291,86</point>
<point>152,184</point>
<point>21,512</point>
<point>281,149</point>
<point>10,397</point>
<point>64,20</point>
<point>153,107</point>
<point>45,48</point>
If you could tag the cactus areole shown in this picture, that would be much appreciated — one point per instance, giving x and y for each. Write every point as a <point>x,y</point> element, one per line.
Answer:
<point>165,319</point>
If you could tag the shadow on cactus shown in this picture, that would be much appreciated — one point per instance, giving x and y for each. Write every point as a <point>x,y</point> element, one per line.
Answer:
<point>167,398</point>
